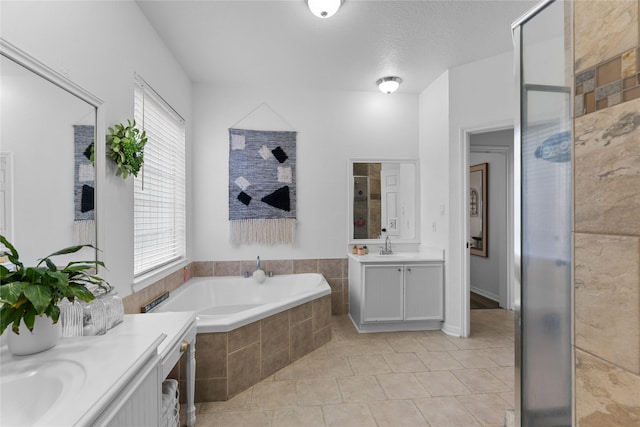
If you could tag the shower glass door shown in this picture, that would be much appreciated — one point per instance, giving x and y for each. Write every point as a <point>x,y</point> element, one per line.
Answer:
<point>544,313</point>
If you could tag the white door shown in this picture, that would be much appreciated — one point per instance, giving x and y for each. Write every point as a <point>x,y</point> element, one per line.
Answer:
<point>390,198</point>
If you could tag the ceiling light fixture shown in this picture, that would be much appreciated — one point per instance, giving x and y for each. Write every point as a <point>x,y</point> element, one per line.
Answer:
<point>389,84</point>
<point>324,8</point>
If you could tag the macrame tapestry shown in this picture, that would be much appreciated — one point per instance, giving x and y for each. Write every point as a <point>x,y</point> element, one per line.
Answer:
<point>262,186</point>
<point>83,186</point>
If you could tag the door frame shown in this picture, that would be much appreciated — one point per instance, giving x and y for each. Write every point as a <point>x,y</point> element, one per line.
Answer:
<point>463,201</point>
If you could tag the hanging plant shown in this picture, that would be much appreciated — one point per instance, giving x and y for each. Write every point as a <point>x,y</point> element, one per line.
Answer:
<point>125,146</point>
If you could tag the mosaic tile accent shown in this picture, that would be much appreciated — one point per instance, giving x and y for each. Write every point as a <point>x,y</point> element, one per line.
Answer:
<point>629,63</point>
<point>609,83</point>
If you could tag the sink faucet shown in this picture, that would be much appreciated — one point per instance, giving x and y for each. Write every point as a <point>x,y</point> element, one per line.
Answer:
<point>386,250</point>
<point>258,263</point>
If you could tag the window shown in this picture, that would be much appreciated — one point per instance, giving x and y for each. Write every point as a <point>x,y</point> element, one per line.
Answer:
<point>159,188</point>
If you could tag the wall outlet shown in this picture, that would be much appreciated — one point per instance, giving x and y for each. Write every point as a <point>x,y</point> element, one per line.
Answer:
<point>433,227</point>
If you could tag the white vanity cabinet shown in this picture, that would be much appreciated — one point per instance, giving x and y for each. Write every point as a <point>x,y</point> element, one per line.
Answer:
<point>139,403</point>
<point>396,293</point>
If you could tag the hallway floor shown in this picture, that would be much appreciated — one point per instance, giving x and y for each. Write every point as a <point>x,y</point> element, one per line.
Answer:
<point>385,379</point>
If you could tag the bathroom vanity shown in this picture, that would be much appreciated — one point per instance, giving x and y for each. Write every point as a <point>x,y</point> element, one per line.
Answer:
<point>396,292</point>
<point>108,380</point>
<point>180,328</point>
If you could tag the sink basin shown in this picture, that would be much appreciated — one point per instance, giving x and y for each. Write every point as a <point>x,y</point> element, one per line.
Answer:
<point>42,384</point>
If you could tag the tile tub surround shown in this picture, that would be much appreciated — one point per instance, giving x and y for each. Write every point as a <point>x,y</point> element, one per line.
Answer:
<point>606,225</point>
<point>228,363</point>
<point>170,283</point>
<point>334,270</point>
<point>385,379</point>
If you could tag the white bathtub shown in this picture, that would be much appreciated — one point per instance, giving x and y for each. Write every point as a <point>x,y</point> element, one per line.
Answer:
<point>227,303</point>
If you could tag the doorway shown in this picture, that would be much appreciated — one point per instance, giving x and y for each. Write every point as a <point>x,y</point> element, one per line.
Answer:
<point>485,141</point>
<point>488,271</point>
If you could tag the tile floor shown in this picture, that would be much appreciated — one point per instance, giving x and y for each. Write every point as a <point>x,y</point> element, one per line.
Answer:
<point>386,379</point>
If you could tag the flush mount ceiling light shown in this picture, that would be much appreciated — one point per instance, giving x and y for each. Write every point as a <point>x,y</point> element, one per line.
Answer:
<point>389,84</point>
<point>324,8</point>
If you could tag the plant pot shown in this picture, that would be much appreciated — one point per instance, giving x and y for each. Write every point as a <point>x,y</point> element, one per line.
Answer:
<point>45,335</point>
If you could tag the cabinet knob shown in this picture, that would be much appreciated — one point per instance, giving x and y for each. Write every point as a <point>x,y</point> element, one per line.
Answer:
<point>399,269</point>
<point>183,346</point>
<point>408,269</point>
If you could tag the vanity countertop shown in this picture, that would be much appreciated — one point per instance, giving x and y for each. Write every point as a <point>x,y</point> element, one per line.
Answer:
<point>80,376</point>
<point>425,255</point>
<point>173,324</point>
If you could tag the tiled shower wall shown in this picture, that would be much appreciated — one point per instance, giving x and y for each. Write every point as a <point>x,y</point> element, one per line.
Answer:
<point>607,212</point>
<point>333,269</point>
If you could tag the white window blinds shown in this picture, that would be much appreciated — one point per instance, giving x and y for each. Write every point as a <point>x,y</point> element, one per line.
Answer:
<point>159,188</point>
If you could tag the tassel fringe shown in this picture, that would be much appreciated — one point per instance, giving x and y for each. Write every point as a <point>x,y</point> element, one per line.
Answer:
<point>268,231</point>
<point>84,232</point>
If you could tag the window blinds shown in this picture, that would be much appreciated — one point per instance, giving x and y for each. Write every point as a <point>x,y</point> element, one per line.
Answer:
<point>159,188</point>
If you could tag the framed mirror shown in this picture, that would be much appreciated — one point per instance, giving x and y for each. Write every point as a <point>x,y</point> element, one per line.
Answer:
<point>383,193</point>
<point>478,198</point>
<point>48,198</point>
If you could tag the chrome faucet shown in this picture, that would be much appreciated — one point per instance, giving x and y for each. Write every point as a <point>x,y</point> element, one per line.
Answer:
<point>258,263</point>
<point>386,250</point>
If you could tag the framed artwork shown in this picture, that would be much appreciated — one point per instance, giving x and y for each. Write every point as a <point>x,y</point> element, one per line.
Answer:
<point>478,198</point>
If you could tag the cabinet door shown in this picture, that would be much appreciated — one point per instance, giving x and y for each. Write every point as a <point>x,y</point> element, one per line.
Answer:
<point>423,292</point>
<point>383,293</point>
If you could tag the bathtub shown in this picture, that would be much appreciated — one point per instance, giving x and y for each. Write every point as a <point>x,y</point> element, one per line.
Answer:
<point>247,330</point>
<point>227,303</point>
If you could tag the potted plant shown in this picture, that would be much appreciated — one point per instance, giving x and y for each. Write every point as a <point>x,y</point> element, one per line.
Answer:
<point>125,146</point>
<point>29,296</point>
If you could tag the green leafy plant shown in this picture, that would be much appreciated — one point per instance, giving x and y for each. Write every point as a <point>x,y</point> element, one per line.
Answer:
<point>36,291</point>
<point>125,146</point>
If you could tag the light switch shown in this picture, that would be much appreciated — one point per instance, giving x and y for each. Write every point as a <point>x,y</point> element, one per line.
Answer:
<point>442,210</point>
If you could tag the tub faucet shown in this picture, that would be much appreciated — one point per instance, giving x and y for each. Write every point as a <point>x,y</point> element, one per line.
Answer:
<point>259,274</point>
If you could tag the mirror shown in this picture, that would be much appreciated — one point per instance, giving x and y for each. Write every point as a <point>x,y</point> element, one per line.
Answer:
<point>47,181</point>
<point>383,194</point>
<point>478,198</point>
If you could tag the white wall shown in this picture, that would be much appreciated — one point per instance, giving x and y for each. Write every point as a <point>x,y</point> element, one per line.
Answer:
<point>100,45</point>
<point>434,163</point>
<point>332,127</point>
<point>479,95</point>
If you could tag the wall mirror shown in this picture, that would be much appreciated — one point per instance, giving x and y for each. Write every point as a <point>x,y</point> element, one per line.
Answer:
<point>478,201</point>
<point>383,193</point>
<point>48,196</point>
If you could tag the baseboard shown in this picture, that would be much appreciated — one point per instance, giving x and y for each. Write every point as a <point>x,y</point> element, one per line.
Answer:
<point>485,294</point>
<point>453,331</point>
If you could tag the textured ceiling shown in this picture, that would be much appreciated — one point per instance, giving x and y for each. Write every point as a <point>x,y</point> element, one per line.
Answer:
<point>281,43</point>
